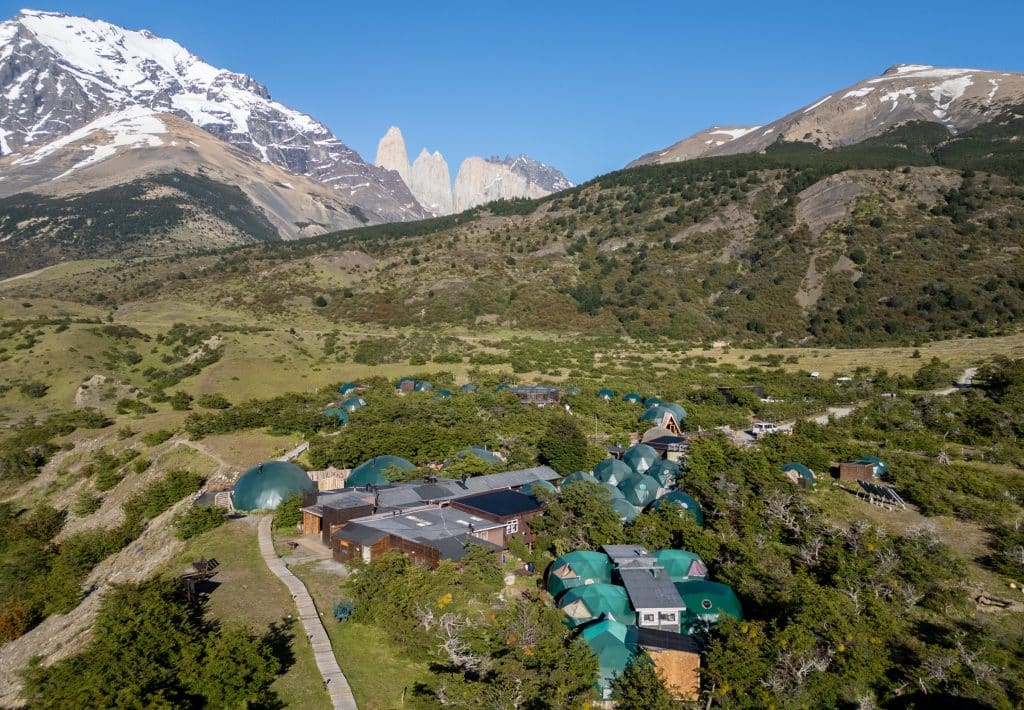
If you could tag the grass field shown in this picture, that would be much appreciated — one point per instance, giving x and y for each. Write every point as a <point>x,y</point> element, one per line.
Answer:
<point>248,593</point>
<point>380,675</point>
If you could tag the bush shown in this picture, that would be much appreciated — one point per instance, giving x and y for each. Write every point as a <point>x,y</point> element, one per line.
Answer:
<point>86,503</point>
<point>34,390</point>
<point>213,401</point>
<point>198,519</point>
<point>155,438</point>
<point>181,401</point>
<point>289,513</point>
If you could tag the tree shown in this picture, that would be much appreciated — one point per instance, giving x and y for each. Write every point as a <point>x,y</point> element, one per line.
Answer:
<point>181,401</point>
<point>563,446</point>
<point>289,513</point>
<point>197,519</point>
<point>640,687</point>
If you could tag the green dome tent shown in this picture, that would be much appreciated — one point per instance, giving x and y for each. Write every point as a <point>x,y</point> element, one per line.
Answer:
<point>706,603</point>
<point>612,471</point>
<point>614,491</point>
<point>627,513</point>
<point>578,476</point>
<point>659,413</point>
<point>534,486</point>
<point>681,566</point>
<point>666,472</point>
<point>684,501</point>
<point>422,386</point>
<point>590,602</point>
<point>640,457</point>
<point>263,487</point>
<point>576,569</point>
<point>606,394</point>
<point>347,387</point>
<point>502,387</point>
<point>443,394</point>
<point>640,490</point>
<point>351,404</point>
<point>797,471</point>
<point>468,388</point>
<point>338,414</point>
<point>651,401</point>
<point>880,468</point>
<point>615,646</point>
<point>371,473</point>
<point>632,398</point>
<point>481,452</point>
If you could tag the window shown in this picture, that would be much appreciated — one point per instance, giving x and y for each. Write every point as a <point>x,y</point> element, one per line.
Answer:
<point>668,616</point>
<point>648,618</point>
<point>512,526</point>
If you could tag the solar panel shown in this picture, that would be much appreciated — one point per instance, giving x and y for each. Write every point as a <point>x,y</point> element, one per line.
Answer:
<point>882,493</point>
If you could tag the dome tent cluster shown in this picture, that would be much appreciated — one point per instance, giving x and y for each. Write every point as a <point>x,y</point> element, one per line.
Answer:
<point>604,596</point>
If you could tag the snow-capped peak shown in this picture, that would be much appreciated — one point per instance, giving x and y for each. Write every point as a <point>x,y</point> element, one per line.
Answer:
<point>60,72</point>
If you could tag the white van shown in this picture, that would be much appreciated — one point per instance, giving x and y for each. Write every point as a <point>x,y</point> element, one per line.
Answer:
<point>763,428</point>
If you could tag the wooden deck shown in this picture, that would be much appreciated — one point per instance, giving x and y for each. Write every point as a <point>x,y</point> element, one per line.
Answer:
<point>335,681</point>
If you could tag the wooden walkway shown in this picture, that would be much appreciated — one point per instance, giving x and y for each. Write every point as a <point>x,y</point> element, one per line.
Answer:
<point>334,679</point>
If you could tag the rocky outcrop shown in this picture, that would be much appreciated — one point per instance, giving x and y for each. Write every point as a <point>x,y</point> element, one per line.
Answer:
<point>958,99</point>
<point>431,183</point>
<point>481,181</point>
<point>391,154</point>
<point>695,146</point>
<point>59,73</point>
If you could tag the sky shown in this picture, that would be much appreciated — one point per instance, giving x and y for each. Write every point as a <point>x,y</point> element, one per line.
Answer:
<point>583,86</point>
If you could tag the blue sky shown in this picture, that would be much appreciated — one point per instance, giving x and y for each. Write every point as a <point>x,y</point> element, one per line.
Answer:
<point>583,86</point>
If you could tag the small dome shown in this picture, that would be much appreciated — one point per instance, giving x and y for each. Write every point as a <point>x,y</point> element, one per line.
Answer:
<point>468,388</point>
<point>640,457</point>
<point>351,404</point>
<point>632,398</point>
<point>681,566</point>
<point>796,471</point>
<point>347,387</point>
<point>422,386</point>
<point>263,487</point>
<point>479,452</point>
<point>372,472</point>
<point>612,471</point>
<point>606,394</point>
<point>651,401</point>
<point>666,472</point>
<point>706,603</point>
<point>578,476</point>
<point>684,501</point>
<point>502,388</point>
<point>338,414</point>
<point>590,602</point>
<point>625,509</point>
<point>443,394</point>
<point>576,569</point>
<point>640,490</point>
<point>533,486</point>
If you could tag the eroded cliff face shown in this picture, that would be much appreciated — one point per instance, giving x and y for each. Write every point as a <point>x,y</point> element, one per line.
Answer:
<point>431,183</point>
<point>480,181</point>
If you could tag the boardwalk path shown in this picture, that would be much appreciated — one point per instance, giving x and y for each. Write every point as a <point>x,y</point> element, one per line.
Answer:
<point>337,685</point>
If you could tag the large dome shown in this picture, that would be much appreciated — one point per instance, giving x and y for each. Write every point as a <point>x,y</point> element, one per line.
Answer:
<point>263,487</point>
<point>372,472</point>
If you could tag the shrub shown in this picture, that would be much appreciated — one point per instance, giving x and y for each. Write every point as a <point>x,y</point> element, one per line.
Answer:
<point>198,519</point>
<point>155,438</point>
<point>213,401</point>
<point>86,503</point>
<point>289,513</point>
<point>34,390</point>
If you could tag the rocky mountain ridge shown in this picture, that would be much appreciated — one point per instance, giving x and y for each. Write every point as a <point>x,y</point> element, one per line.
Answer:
<point>59,73</point>
<point>478,181</point>
<point>958,99</point>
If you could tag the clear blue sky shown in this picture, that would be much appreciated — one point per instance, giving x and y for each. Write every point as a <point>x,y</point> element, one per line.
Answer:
<point>583,86</point>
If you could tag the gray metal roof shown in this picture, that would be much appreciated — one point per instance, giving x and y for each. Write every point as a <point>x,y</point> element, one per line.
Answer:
<point>620,554</point>
<point>651,588</point>
<point>416,493</point>
<point>362,534</point>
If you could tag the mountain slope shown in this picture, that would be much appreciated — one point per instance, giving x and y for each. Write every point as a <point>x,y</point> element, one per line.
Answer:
<point>59,73</point>
<point>958,99</point>
<point>910,235</point>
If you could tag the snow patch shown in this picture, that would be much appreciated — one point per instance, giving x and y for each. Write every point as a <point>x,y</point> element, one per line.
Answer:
<point>950,90</point>
<point>919,71</point>
<point>733,133</point>
<point>860,107</point>
<point>133,127</point>
<point>814,106</point>
<point>859,93</point>
<point>5,148</point>
<point>995,88</point>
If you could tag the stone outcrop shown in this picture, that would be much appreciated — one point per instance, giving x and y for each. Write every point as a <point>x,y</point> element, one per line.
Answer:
<point>430,182</point>
<point>391,154</point>
<point>478,182</point>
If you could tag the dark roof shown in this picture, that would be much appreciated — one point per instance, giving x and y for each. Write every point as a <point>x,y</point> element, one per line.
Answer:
<point>625,553</point>
<point>363,534</point>
<point>456,547</point>
<point>500,503</point>
<point>650,588</point>
<point>665,441</point>
<point>668,640</point>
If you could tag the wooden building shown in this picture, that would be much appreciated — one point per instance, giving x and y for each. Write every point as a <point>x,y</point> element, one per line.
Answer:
<point>677,658</point>
<point>512,509</point>
<point>856,471</point>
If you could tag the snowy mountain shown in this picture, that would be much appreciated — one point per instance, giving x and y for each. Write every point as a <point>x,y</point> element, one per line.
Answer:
<point>60,73</point>
<point>958,99</point>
